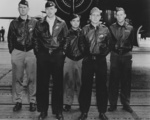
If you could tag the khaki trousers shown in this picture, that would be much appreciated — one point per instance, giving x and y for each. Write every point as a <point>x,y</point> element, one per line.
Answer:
<point>23,62</point>
<point>72,79</point>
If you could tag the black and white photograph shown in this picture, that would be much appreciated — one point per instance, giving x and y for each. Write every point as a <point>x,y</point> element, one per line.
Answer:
<point>74,59</point>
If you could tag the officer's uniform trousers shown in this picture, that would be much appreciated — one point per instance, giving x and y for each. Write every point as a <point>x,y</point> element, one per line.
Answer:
<point>72,79</point>
<point>23,61</point>
<point>50,64</point>
<point>92,65</point>
<point>120,75</point>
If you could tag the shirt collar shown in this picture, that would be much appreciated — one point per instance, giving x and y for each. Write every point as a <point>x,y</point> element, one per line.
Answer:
<point>92,26</point>
<point>50,20</point>
<point>124,25</point>
<point>21,20</point>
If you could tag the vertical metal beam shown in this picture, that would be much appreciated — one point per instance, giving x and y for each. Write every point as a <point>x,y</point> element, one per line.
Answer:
<point>73,6</point>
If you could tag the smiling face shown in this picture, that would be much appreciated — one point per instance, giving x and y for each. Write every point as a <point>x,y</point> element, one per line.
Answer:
<point>75,23</point>
<point>50,11</point>
<point>95,17</point>
<point>120,15</point>
<point>23,9</point>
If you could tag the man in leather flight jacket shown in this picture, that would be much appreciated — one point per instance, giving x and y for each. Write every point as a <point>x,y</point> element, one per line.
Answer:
<point>120,61</point>
<point>49,37</point>
<point>20,46</point>
<point>73,61</point>
<point>97,39</point>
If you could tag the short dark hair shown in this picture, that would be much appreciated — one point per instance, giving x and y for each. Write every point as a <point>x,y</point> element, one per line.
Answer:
<point>120,9</point>
<point>73,16</point>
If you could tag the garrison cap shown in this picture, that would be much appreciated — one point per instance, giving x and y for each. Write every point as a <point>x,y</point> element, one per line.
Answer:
<point>96,9</point>
<point>24,2</point>
<point>50,4</point>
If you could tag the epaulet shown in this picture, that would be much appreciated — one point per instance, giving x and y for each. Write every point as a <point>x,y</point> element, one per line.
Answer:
<point>88,25</point>
<point>42,19</point>
<point>113,24</point>
<point>129,25</point>
<point>102,25</point>
<point>59,19</point>
<point>16,19</point>
<point>34,19</point>
<point>80,29</point>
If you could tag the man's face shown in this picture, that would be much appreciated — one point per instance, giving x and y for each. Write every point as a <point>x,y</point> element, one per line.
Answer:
<point>95,17</point>
<point>50,11</point>
<point>120,15</point>
<point>23,9</point>
<point>75,22</point>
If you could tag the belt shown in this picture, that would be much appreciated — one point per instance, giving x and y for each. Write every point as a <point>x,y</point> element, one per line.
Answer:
<point>121,51</point>
<point>50,51</point>
<point>24,49</point>
<point>94,57</point>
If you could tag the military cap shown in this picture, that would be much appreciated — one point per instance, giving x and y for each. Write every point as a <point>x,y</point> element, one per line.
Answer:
<point>24,2</point>
<point>50,4</point>
<point>95,9</point>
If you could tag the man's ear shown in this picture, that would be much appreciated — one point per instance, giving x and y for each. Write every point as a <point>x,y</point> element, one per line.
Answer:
<point>115,14</point>
<point>125,15</point>
<point>18,8</point>
<point>90,17</point>
<point>28,9</point>
<point>55,10</point>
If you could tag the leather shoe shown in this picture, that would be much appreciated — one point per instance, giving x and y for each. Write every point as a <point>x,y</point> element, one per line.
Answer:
<point>59,116</point>
<point>67,108</point>
<point>112,108</point>
<point>127,108</point>
<point>102,116</point>
<point>42,115</point>
<point>32,107</point>
<point>17,107</point>
<point>83,116</point>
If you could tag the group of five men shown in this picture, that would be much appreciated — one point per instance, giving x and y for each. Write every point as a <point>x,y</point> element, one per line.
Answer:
<point>40,49</point>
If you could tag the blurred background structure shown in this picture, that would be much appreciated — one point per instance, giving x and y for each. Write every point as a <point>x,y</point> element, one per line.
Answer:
<point>138,12</point>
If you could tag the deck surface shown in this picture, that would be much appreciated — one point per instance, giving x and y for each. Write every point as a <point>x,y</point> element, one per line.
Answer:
<point>140,93</point>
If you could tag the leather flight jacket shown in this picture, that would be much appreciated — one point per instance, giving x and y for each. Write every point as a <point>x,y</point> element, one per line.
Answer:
<point>20,34</point>
<point>97,40</point>
<point>46,42</point>
<point>122,38</point>
<point>74,44</point>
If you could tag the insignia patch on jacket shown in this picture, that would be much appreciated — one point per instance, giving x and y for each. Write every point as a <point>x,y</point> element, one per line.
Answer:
<point>56,27</point>
<point>30,29</point>
<point>101,36</point>
<point>127,30</point>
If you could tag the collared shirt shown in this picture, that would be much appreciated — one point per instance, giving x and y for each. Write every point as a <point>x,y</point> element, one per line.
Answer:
<point>20,34</point>
<point>123,36</point>
<point>96,26</point>
<point>51,23</point>
<point>27,19</point>
<point>45,41</point>
<point>97,39</point>
<point>120,33</point>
